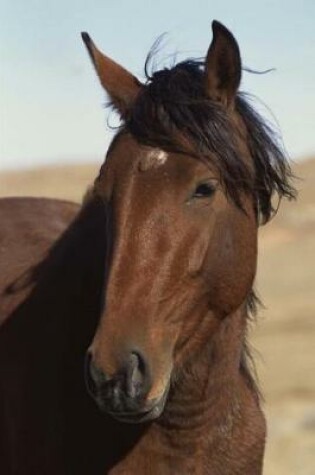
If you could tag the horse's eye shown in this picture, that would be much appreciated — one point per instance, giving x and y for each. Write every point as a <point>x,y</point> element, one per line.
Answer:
<point>204,190</point>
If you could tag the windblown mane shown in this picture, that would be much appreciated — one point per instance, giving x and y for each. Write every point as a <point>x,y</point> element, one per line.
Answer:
<point>174,103</point>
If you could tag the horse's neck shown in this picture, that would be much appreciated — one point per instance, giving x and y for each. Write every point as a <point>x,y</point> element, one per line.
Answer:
<point>212,403</point>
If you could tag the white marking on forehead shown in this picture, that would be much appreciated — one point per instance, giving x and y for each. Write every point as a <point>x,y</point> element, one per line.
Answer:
<point>157,155</point>
<point>154,158</point>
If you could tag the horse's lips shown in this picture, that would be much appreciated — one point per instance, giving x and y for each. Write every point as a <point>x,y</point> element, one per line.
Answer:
<point>139,417</point>
<point>145,415</point>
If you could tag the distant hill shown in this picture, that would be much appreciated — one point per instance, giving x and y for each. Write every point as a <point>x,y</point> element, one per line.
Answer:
<point>66,182</point>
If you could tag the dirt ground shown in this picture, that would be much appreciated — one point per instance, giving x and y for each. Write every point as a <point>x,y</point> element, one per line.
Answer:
<point>284,335</point>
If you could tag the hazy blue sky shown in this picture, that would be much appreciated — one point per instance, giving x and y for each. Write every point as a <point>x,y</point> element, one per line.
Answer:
<point>51,105</point>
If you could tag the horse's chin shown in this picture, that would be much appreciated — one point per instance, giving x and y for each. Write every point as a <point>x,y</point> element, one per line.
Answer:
<point>143,414</point>
<point>139,417</point>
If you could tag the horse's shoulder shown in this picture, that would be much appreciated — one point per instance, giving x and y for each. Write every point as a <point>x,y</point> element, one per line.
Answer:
<point>29,227</point>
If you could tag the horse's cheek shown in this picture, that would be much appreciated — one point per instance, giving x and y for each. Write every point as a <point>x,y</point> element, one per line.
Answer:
<point>231,268</point>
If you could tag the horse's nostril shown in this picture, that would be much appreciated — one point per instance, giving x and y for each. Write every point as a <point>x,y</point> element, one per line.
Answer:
<point>123,392</point>
<point>137,378</point>
<point>94,377</point>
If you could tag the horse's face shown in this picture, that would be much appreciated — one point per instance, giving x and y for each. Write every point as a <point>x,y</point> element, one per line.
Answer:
<point>181,257</point>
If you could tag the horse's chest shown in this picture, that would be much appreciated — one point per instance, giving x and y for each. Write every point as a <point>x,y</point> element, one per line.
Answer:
<point>200,458</point>
<point>151,457</point>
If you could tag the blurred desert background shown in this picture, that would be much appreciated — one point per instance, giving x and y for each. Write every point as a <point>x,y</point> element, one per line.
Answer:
<point>284,334</point>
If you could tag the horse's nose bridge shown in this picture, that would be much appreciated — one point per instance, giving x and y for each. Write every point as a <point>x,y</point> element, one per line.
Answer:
<point>136,278</point>
<point>139,255</point>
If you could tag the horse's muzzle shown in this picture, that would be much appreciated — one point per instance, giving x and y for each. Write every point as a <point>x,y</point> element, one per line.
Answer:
<point>124,395</point>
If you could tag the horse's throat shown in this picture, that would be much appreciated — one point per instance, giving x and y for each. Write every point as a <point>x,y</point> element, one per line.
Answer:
<point>206,392</point>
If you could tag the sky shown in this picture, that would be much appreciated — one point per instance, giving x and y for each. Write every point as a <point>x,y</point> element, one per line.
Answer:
<point>52,106</point>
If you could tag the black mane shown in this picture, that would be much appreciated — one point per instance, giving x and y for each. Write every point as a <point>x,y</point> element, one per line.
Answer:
<point>174,103</point>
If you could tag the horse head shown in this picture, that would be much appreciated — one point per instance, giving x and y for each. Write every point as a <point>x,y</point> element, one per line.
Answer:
<point>184,184</point>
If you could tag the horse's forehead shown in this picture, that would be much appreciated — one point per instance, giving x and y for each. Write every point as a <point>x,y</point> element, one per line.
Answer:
<point>152,158</point>
<point>128,158</point>
<point>141,157</point>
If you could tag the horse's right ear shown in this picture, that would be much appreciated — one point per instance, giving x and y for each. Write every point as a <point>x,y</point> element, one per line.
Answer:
<point>121,86</point>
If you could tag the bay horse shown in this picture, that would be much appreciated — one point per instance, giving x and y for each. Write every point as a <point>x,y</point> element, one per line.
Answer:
<point>123,322</point>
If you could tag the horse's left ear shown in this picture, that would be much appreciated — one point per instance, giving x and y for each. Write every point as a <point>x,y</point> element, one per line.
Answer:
<point>223,66</point>
<point>121,86</point>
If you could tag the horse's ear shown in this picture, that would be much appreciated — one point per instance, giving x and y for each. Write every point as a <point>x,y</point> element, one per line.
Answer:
<point>223,66</point>
<point>121,86</point>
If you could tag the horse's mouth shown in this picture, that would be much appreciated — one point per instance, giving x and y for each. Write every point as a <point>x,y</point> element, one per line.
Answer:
<point>145,414</point>
<point>139,417</point>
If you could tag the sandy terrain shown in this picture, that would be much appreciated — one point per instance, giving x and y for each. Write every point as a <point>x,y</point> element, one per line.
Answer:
<point>284,335</point>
